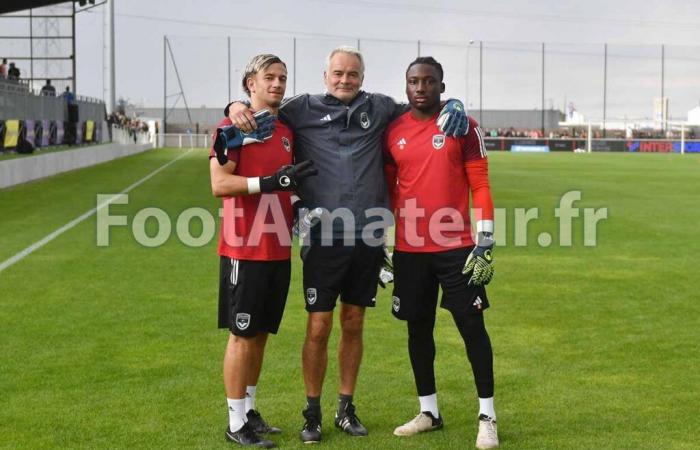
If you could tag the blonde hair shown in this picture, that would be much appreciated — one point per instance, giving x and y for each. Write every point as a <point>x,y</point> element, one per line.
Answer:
<point>258,63</point>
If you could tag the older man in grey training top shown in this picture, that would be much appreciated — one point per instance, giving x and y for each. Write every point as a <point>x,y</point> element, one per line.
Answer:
<point>341,132</point>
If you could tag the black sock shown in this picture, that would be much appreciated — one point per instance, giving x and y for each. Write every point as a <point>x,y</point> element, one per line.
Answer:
<point>314,404</point>
<point>343,401</point>
<point>421,350</point>
<point>476,339</point>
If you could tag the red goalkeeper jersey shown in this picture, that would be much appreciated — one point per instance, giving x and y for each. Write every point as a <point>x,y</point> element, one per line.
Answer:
<point>257,227</point>
<point>430,176</point>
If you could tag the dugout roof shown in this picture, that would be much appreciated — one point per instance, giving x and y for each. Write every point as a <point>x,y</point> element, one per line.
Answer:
<point>8,6</point>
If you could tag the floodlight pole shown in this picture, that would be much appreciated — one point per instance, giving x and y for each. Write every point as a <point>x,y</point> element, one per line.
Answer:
<point>75,82</point>
<point>605,86</point>
<point>664,108</point>
<point>31,50</point>
<point>481,83</point>
<point>110,97</point>
<point>543,90</point>
<point>228,66</point>
<point>165,86</point>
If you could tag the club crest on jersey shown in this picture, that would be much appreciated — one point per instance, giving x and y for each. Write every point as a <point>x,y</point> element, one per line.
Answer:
<point>287,145</point>
<point>242,321</point>
<point>364,120</point>
<point>311,296</point>
<point>438,141</point>
<point>395,303</point>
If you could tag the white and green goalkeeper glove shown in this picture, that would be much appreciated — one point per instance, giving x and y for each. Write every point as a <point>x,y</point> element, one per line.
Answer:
<point>480,260</point>
<point>386,273</point>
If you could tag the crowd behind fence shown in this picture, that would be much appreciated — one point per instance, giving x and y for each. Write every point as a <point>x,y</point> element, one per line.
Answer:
<point>127,136</point>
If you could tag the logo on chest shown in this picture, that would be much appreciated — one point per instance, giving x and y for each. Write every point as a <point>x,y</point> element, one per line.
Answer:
<point>286,144</point>
<point>364,120</point>
<point>402,143</point>
<point>438,141</point>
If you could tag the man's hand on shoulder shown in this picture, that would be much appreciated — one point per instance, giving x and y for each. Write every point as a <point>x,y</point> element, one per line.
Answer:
<point>229,137</point>
<point>241,117</point>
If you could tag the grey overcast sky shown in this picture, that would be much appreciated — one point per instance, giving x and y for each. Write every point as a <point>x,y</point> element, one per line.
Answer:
<point>574,33</point>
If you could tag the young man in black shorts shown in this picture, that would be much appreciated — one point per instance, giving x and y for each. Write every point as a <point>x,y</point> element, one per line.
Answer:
<point>255,183</point>
<point>430,177</point>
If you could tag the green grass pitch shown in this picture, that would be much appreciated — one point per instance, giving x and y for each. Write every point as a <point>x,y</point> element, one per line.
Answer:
<point>595,347</point>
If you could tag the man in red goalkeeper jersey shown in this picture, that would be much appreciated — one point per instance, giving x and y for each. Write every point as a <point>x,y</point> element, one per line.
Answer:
<point>430,177</point>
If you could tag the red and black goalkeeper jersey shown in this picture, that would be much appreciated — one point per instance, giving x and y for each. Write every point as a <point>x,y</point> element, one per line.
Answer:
<point>257,227</point>
<point>430,177</point>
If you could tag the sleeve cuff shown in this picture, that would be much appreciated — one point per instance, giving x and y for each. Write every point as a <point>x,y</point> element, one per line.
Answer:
<point>484,226</point>
<point>254,185</point>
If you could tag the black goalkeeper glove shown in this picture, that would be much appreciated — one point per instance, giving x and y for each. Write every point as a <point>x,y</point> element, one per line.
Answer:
<point>287,178</point>
<point>480,261</point>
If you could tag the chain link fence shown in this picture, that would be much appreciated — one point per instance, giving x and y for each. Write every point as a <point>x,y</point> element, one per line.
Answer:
<point>601,82</point>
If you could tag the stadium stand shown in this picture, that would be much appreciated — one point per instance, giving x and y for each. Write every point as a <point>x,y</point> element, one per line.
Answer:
<point>30,120</point>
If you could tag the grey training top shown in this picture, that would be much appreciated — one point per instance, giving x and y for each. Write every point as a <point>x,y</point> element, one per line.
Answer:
<point>345,144</point>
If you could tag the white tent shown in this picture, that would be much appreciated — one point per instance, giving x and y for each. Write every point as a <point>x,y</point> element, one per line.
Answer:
<point>694,116</point>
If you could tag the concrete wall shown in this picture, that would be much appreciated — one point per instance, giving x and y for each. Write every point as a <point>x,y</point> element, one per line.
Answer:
<point>28,168</point>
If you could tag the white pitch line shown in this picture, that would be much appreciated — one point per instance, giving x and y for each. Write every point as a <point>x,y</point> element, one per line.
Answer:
<point>40,243</point>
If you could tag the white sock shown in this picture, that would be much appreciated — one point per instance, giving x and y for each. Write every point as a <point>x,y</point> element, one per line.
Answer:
<point>236,413</point>
<point>429,403</point>
<point>486,407</point>
<point>250,397</point>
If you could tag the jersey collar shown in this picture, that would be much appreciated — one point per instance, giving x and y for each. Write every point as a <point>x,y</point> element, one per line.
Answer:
<point>328,99</point>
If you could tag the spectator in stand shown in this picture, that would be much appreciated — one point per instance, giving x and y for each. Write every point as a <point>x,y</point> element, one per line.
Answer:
<point>68,96</point>
<point>3,68</point>
<point>48,90</point>
<point>13,73</point>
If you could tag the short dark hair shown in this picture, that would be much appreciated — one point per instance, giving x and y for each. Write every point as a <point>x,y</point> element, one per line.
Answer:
<point>429,60</point>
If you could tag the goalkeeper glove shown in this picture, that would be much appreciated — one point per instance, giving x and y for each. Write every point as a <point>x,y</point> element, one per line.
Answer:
<point>231,137</point>
<point>287,178</point>
<point>452,119</point>
<point>480,261</point>
<point>386,273</point>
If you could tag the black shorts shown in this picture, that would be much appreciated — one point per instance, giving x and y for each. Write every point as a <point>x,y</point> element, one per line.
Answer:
<point>252,295</point>
<point>349,271</point>
<point>416,280</point>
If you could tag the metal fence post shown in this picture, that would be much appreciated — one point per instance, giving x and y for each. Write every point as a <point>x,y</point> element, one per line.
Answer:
<point>589,143</point>
<point>682,138</point>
